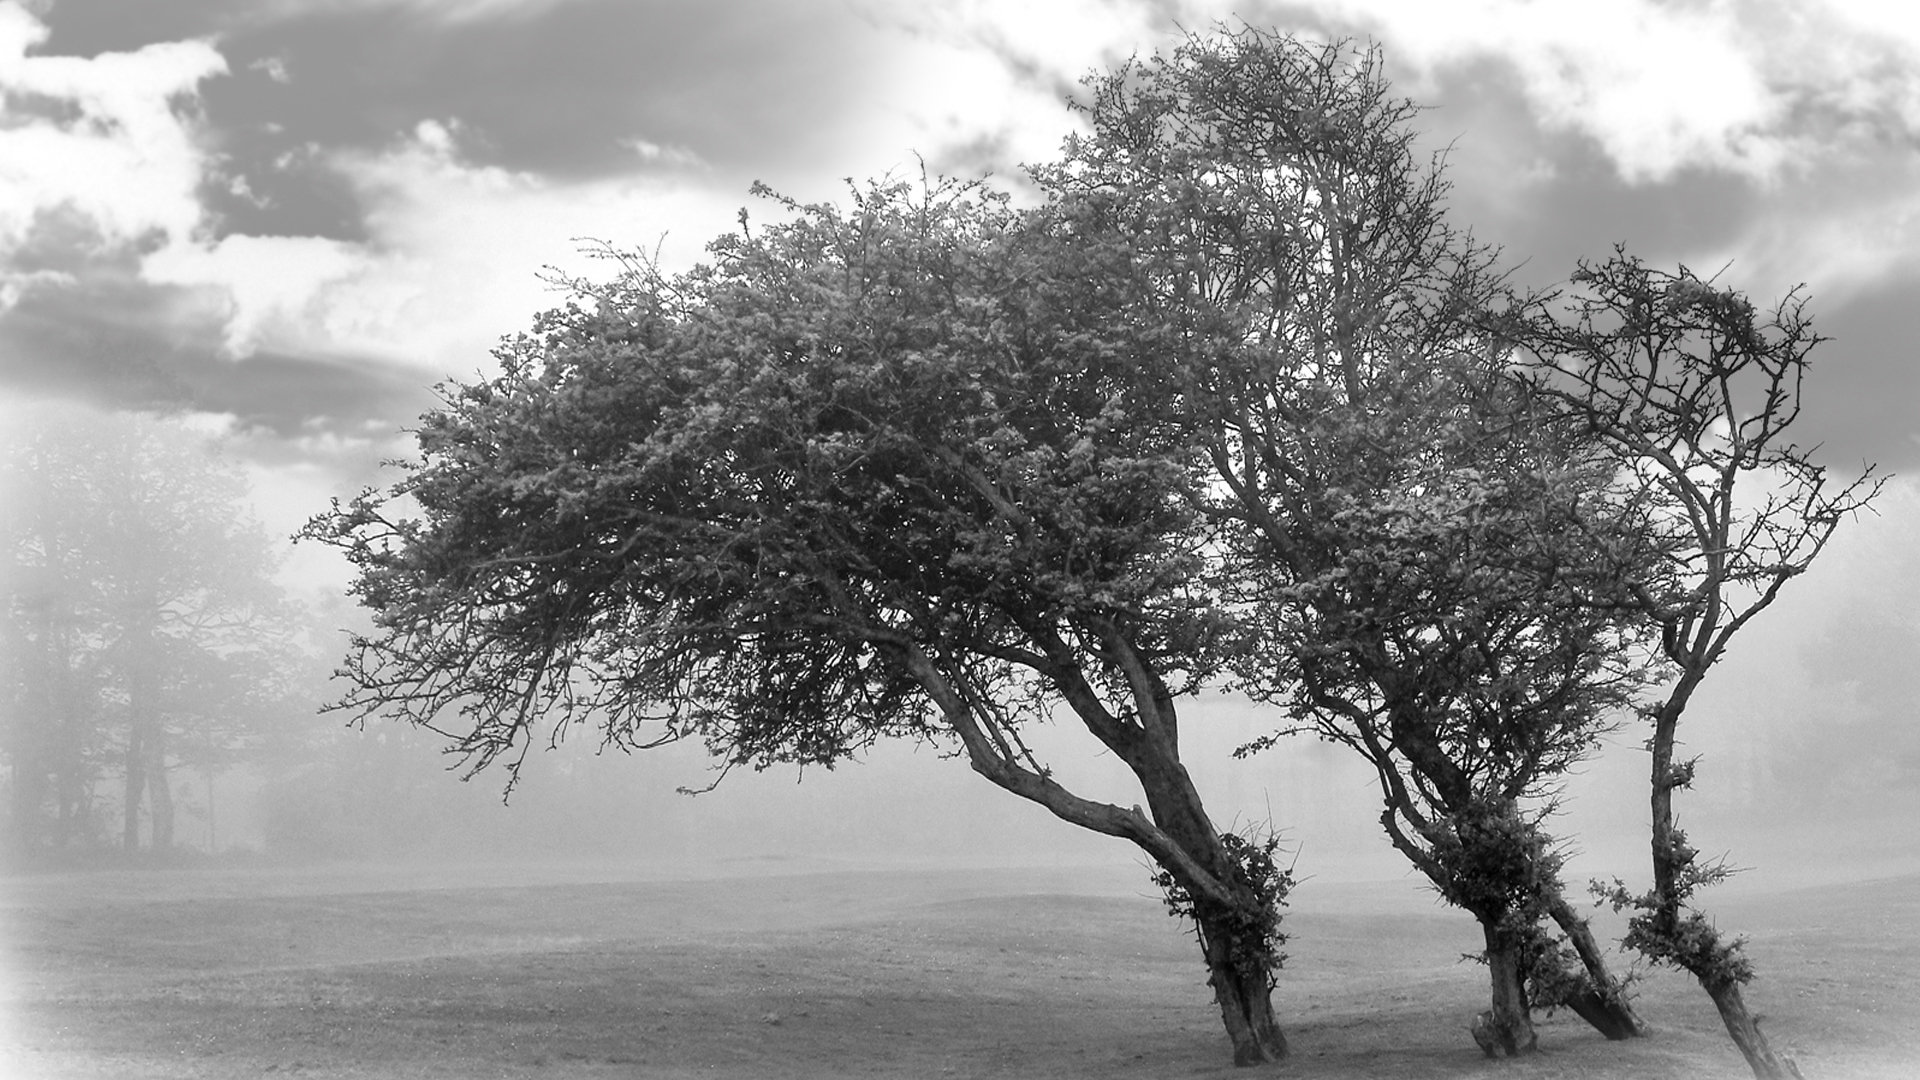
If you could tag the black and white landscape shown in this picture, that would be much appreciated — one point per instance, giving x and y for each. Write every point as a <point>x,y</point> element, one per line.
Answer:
<point>1416,493</point>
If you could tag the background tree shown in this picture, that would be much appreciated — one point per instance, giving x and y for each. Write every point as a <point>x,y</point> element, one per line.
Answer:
<point>1428,570</point>
<point>56,738</point>
<point>868,475</point>
<point>143,619</point>
<point>1694,391</point>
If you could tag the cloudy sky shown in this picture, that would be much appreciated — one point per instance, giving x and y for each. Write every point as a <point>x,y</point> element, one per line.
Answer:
<point>290,217</point>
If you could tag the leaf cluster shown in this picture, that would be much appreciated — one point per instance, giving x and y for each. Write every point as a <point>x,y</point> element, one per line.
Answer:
<point>1256,937</point>
<point>731,503</point>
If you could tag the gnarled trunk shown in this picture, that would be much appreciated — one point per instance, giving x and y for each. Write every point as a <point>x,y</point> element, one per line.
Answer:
<point>1672,858</point>
<point>1605,1005</point>
<point>1745,1029</point>
<point>1243,986</point>
<point>1204,878</point>
<point>1506,1029</point>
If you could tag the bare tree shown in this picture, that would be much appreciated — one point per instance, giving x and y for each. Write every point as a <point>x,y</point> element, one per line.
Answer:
<point>1695,391</point>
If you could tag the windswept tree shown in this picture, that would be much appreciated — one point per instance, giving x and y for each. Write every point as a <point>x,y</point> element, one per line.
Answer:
<point>869,474</point>
<point>1694,390</point>
<point>1428,570</point>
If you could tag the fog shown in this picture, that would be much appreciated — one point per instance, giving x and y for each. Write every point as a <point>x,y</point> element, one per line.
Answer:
<point>1810,766</point>
<point>1809,772</point>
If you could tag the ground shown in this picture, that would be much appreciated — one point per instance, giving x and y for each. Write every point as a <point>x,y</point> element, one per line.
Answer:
<point>791,972</point>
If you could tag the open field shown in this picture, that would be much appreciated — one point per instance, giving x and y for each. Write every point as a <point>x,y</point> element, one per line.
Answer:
<point>511,972</point>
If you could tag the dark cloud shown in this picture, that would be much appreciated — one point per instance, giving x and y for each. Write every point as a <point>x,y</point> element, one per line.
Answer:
<point>560,89</point>
<point>115,341</point>
<point>570,91</point>
<point>264,185</point>
<point>1863,397</point>
<point>91,27</point>
<point>1550,198</point>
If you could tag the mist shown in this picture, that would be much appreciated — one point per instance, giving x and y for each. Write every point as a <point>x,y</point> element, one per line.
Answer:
<point>1809,772</point>
<point>1810,759</point>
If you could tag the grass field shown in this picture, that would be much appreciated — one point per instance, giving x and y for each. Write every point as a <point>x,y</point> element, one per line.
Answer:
<point>810,972</point>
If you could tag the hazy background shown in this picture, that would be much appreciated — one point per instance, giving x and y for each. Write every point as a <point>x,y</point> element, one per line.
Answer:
<point>275,225</point>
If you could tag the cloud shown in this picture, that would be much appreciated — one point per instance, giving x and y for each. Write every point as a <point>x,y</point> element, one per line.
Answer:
<point>1750,87</point>
<point>983,85</point>
<point>453,258</point>
<point>269,285</point>
<point>1805,113</point>
<point>110,139</point>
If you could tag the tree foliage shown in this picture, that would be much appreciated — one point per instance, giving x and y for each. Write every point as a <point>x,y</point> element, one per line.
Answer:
<point>865,475</point>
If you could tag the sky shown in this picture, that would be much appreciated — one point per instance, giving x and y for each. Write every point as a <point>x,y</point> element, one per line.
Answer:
<point>288,219</point>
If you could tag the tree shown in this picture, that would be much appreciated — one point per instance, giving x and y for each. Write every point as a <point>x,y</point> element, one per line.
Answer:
<point>866,475</point>
<point>143,618</point>
<point>1694,390</point>
<point>1428,571</point>
<point>55,736</point>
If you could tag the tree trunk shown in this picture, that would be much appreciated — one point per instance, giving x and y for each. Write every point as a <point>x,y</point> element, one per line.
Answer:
<point>1243,987</point>
<point>1671,856</point>
<point>136,786</point>
<point>1745,1029</point>
<point>1178,836</point>
<point>1505,1030</point>
<point>1605,1006</point>
<point>160,791</point>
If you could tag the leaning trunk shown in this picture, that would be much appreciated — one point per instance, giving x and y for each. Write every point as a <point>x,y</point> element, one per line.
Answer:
<point>1243,986</point>
<point>1204,880</point>
<point>1506,1029</point>
<point>1745,1029</point>
<point>1604,1004</point>
<point>1672,856</point>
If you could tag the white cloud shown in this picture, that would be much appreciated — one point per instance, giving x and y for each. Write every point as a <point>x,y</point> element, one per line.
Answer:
<point>1811,106</point>
<point>1658,86</point>
<point>996,71</point>
<point>114,150</point>
<point>453,259</point>
<point>270,283</point>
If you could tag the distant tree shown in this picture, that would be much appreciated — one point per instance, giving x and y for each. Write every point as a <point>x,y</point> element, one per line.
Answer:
<point>55,734</point>
<point>1694,390</point>
<point>143,621</point>
<point>1428,570</point>
<point>870,474</point>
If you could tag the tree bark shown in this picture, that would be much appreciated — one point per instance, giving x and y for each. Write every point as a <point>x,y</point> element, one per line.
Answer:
<point>1179,836</point>
<point>1244,990</point>
<point>1605,1006</point>
<point>1745,1029</point>
<point>1505,1030</point>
